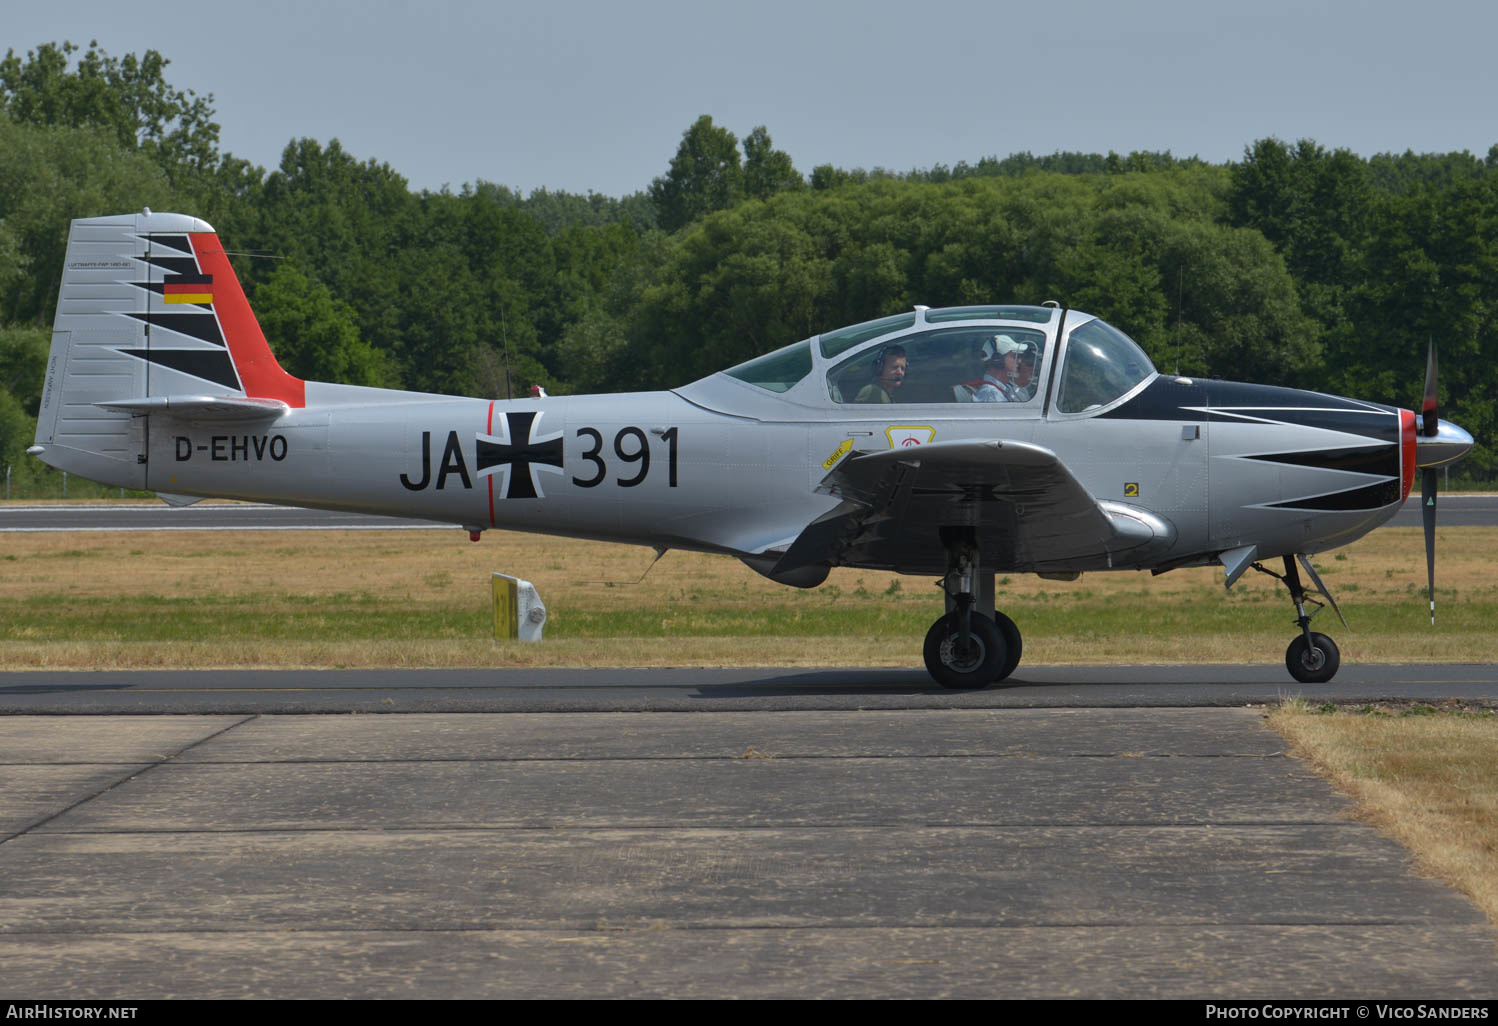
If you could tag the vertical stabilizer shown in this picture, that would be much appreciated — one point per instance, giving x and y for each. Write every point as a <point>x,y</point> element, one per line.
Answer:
<point>149,307</point>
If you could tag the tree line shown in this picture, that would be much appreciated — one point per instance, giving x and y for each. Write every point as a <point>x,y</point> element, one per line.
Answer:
<point>1295,265</point>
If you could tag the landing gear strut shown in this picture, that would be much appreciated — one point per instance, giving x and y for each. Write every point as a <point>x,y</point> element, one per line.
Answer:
<point>1311,658</point>
<point>966,647</point>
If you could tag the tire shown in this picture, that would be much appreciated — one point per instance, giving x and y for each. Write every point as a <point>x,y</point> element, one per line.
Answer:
<point>1012,642</point>
<point>986,656</point>
<point>1315,663</point>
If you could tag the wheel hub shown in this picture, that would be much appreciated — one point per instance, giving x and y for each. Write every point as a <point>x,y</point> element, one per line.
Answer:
<point>951,654</point>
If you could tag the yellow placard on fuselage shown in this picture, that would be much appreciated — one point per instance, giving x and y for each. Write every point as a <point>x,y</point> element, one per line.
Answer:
<point>837,454</point>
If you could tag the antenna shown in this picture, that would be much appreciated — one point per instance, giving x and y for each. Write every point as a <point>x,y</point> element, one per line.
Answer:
<point>1180,311</point>
<point>504,334</point>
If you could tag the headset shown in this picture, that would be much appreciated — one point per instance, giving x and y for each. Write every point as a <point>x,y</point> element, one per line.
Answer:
<point>885,352</point>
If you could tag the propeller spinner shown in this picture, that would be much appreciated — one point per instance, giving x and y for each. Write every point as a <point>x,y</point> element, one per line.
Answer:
<point>1438,444</point>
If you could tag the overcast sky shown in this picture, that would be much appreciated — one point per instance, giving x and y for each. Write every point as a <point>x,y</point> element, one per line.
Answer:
<point>582,95</point>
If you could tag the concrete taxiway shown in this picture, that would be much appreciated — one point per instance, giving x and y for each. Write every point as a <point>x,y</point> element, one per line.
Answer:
<point>835,849</point>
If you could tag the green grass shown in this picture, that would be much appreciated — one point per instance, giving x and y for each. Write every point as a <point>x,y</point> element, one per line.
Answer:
<point>238,618</point>
<point>1073,619</point>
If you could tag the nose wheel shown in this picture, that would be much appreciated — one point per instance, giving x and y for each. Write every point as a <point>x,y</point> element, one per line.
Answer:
<point>1312,658</point>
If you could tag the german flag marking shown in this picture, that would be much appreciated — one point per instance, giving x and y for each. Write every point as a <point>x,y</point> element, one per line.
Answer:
<point>197,289</point>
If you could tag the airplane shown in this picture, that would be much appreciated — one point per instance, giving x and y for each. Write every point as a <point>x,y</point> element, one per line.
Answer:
<point>870,446</point>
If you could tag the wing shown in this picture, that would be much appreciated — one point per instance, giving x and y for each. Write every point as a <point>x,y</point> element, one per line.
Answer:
<point>1029,512</point>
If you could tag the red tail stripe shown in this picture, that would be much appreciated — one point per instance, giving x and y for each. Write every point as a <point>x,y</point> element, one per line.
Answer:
<point>259,372</point>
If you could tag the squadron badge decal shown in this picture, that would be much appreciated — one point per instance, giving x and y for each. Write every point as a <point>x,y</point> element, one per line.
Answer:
<point>905,436</point>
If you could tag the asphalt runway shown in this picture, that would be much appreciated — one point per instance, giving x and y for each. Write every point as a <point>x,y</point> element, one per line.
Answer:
<point>1456,510</point>
<point>658,690</point>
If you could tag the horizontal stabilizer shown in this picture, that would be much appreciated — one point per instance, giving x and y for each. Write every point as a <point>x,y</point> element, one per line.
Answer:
<point>202,407</point>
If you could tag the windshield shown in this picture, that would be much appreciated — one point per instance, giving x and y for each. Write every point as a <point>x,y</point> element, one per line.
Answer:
<point>1102,363</point>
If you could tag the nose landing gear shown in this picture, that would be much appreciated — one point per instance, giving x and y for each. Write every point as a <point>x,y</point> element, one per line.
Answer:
<point>1311,658</point>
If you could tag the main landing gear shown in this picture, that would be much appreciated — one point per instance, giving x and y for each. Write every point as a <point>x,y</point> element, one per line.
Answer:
<point>1311,658</point>
<point>972,645</point>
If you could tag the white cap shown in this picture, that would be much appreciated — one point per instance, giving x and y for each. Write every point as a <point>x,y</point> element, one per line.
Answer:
<point>999,347</point>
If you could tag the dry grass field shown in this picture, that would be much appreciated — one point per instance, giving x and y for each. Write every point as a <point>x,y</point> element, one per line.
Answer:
<point>421,598</point>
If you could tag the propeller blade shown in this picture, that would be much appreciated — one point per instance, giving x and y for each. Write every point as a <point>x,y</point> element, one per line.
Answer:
<point>1428,518</point>
<point>1429,421</point>
<point>1430,427</point>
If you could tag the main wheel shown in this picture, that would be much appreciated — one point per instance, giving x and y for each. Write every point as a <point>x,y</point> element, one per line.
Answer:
<point>1315,663</point>
<point>1012,642</point>
<point>977,667</point>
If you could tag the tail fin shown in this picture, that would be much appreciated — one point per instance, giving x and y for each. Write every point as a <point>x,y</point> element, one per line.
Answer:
<point>150,318</point>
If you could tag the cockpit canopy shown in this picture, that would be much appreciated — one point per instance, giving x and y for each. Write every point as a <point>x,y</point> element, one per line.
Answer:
<point>950,355</point>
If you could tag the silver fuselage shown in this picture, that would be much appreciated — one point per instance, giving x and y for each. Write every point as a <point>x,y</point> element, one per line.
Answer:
<point>733,468</point>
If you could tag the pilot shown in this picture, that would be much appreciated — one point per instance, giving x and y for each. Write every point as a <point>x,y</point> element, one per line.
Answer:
<point>889,372</point>
<point>1001,363</point>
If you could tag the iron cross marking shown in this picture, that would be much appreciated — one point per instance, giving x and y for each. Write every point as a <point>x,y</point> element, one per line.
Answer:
<point>518,451</point>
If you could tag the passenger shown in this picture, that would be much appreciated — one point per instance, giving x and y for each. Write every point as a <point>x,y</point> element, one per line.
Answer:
<point>1001,359</point>
<point>1024,388</point>
<point>889,371</point>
